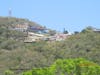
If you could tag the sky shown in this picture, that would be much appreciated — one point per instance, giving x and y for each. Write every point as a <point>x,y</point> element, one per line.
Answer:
<point>73,15</point>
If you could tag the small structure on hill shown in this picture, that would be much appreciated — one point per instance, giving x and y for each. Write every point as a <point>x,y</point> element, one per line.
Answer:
<point>33,37</point>
<point>59,37</point>
<point>21,27</point>
<point>96,30</point>
<point>36,29</point>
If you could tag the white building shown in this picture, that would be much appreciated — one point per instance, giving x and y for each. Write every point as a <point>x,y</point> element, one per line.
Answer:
<point>21,27</point>
<point>33,37</point>
<point>59,37</point>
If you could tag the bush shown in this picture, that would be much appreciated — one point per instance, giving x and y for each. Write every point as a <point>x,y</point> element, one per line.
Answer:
<point>8,72</point>
<point>78,66</point>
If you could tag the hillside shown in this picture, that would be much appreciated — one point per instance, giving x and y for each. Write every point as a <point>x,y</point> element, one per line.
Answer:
<point>42,54</point>
<point>19,55</point>
<point>11,38</point>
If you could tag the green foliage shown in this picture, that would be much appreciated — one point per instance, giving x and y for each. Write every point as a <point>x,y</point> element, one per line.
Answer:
<point>88,29</point>
<point>8,72</point>
<point>11,43</point>
<point>78,66</point>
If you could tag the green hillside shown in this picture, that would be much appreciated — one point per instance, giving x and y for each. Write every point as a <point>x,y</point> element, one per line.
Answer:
<point>11,40</point>
<point>15,54</point>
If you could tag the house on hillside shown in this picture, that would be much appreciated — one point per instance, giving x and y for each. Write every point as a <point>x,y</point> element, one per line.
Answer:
<point>96,30</point>
<point>33,37</point>
<point>59,37</point>
<point>36,29</point>
<point>21,27</point>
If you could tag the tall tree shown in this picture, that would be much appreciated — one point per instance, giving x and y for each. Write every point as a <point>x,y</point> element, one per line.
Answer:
<point>65,31</point>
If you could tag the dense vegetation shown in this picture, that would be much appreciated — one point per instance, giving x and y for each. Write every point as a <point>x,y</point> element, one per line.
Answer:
<point>11,40</point>
<point>67,67</point>
<point>19,55</point>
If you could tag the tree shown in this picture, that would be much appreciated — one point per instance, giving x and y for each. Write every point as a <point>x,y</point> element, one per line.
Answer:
<point>76,32</point>
<point>87,29</point>
<point>65,31</point>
